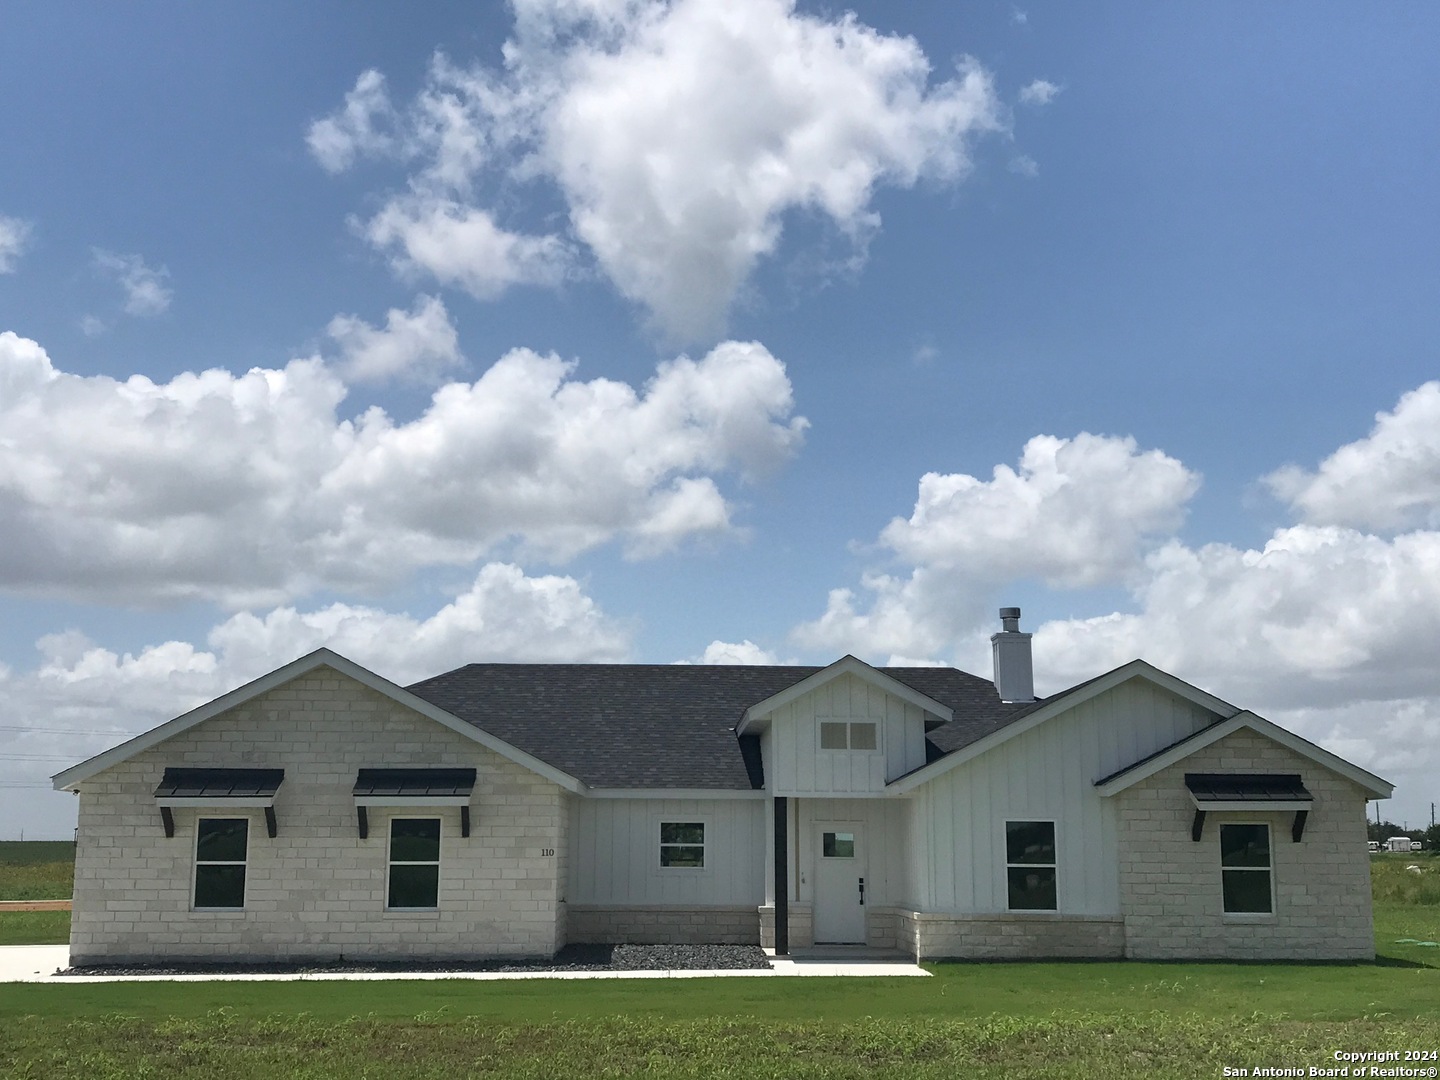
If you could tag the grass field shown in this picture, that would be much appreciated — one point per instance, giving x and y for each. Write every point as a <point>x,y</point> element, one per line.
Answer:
<point>36,869</point>
<point>982,1020</point>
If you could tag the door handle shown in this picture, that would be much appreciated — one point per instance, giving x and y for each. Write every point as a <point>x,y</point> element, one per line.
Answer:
<point>862,892</point>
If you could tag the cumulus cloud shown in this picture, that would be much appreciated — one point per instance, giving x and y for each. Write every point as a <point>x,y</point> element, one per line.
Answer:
<point>1076,513</point>
<point>1388,480</point>
<point>415,345</point>
<point>250,489</point>
<point>145,290</point>
<point>1039,92</point>
<point>735,652</point>
<point>14,239</point>
<point>82,697</point>
<point>782,113</point>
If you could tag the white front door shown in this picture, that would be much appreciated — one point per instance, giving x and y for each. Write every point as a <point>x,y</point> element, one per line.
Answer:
<point>839,883</point>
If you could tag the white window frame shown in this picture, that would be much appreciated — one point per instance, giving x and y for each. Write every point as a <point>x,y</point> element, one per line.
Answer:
<point>661,845</point>
<point>197,862</point>
<point>849,747</point>
<point>1054,824</point>
<point>390,861</point>
<point>1268,870</point>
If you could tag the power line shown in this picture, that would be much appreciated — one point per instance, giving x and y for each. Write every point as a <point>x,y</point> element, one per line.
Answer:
<point>65,731</point>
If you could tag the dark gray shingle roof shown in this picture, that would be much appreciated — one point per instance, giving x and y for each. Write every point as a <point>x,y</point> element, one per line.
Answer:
<point>667,725</point>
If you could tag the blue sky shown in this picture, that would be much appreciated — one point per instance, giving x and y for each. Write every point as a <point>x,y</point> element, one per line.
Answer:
<point>621,330</point>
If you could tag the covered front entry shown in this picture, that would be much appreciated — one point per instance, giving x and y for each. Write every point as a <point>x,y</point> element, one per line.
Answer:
<point>839,882</point>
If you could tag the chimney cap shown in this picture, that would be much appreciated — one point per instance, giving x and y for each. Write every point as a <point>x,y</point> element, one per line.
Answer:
<point>1009,613</point>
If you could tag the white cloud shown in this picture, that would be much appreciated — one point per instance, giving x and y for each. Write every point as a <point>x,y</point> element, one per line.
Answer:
<point>91,326</point>
<point>80,687</point>
<point>1039,92</point>
<point>357,128</point>
<point>736,652</point>
<point>1077,513</point>
<point>250,489</point>
<point>783,113</point>
<point>1388,480</point>
<point>14,239</point>
<point>462,245</point>
<point>415,345</point>
<point>144,286</point>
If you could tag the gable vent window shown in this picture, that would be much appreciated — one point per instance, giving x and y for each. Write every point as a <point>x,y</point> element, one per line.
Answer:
<point>682,844</point>
<point>1245,869</point>
<point>1030,865</point>
<point>839,735</point>
<point>220,848</point>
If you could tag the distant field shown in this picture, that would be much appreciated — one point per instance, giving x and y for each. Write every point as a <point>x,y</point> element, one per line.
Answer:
<point>1082,1020</point>
<point>36,869</point>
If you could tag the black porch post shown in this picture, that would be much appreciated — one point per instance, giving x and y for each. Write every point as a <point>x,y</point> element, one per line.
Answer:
<point>782,879</point>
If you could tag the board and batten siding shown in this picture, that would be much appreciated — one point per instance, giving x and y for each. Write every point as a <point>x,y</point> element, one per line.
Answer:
<point>795,764</point>
<point>615,852</point>
<point>957,841</point>
<point>886,828</point>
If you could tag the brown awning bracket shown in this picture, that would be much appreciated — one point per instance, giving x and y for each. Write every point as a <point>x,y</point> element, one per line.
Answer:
<point>363,822</point>
<point>1197,827</point>
<point>1298,829</point>
<point>168,820</point>
<point>464,821</point>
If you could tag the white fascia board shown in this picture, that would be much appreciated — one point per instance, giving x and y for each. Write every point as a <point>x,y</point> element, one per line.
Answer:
<point>322,657</point>
<point>674,793</point>
<point>412,800</point>
<point>1251,806</point>
<point>846,665</point>
<point>1376,787</point>
<point>218,800</point>
<point>1135,669</point>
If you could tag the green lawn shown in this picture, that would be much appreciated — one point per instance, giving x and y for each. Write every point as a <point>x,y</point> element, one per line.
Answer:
<point>982,1020</point>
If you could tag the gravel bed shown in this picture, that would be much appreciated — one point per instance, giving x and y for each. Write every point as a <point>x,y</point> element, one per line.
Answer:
<point>570,958</point>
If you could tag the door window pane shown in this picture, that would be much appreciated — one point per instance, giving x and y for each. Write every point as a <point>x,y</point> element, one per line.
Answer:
<point>837,845</point>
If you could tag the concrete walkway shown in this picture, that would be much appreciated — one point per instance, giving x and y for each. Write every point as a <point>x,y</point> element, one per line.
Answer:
<point>38,964</point>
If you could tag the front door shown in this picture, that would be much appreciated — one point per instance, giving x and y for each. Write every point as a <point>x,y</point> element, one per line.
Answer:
<point>839,883</point>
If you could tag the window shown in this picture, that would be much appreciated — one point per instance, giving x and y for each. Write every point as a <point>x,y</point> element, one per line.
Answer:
<point>682,844</point>
<point>1030,865</point>
<point>220,862</point>
<point>839,735</point>
<point>1245,869</point>
<point>837,845</point>
<point>414,864</point>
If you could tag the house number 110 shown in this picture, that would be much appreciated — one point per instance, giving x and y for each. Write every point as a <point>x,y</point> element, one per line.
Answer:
<point>547,852</point>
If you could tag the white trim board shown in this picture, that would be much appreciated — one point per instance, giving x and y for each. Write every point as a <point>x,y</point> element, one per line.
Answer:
<point>1375,787</point>
<point>76,774</point>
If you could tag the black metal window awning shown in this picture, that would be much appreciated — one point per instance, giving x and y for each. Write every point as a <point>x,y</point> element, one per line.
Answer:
<point>214,788</point>
<point>1249,791</point>
<point>413,787</point>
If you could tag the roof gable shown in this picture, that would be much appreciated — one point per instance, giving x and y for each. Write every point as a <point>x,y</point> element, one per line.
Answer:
<point>1375,786</point>
<point>960,745</point>
<point>77,774</point>
<point>846,665</point>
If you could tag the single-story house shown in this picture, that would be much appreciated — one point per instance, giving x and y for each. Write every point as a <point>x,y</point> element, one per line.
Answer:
<point>507,809</point>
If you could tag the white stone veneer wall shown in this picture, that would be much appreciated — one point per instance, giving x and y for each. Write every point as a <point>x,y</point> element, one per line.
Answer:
<point>317,890</point>
<point>672,925</point>
<point>1170,885</point>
